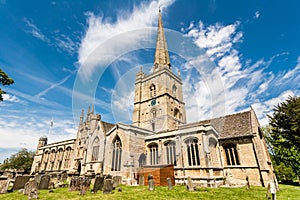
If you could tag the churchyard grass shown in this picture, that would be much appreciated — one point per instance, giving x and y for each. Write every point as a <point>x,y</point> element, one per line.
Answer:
<point>178,192</point>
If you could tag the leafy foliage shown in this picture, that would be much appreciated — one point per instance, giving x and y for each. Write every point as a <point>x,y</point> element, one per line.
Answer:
<point>19,161</point>
<point>284,134</point>
<point>4,80</point>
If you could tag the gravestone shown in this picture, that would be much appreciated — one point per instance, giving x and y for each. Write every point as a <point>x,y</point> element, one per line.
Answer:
<point>44,183</point>
<point>169,181</point>
<point>4,183</point>
<point>98,185</point>
<point>190,184</point>
<point>107,186</point>
<point>117,180</point>
<point>141,180</point>
<point>151,183</point>
<point>20,182</point>
<point>33,194</point>
<point>84,185</point>
<point>30,186</point>
<point>75,184</point>
<point>63,176</point>
<point>37,178</point>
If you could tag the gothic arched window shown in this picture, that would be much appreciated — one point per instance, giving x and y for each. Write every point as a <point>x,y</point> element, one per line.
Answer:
<point>174,90</point>
<point>232,157</point>
<point>117,154</point>
<point>170,152</point>
<point>95,151</point>
<point>153,149</point>
<point>152,91</point>
<point>67,157</point>
<point>192,150</point>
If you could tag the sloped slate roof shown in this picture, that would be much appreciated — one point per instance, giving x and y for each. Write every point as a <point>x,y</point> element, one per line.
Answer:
<point>107,126</point>
<point>235,125</point>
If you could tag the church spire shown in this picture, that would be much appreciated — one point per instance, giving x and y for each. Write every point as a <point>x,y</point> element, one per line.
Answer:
<point>161,58</point>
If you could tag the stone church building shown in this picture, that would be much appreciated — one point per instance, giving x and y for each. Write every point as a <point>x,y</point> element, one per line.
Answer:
<point>224,149</point>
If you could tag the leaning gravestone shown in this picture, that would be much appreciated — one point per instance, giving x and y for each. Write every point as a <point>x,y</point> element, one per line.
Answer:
<point>44,183</point>
<point>20,182</point>
<point>141,180</point>
<point>30,186</point>
<point>98,185</point>
<point>190,184</point>
<point>4,183</point>
<point>107,186</point>
<point>169,183</point>
<point>151,183</point>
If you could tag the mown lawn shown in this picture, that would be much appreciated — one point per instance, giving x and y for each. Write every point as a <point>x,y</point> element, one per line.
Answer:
<point>178,192</point>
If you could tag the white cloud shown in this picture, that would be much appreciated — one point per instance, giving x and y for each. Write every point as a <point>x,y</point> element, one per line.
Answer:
<point>256,15</point>
<point>265,108</point>
<point>34,30</point>
<point>100,30</point>
<point>10,98</point>
<point>244,83</point>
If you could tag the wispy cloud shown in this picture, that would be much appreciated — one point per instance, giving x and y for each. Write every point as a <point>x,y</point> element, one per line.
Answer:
<point>256,15</point>
<point>100,30</point>
<point>244,83</point>
<point>34,30</point>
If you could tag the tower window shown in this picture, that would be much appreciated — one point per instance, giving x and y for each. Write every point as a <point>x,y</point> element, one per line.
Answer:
<point>152,91</point>
<point>117,155</point>
<point>174,90</point>
<point>232,157</point>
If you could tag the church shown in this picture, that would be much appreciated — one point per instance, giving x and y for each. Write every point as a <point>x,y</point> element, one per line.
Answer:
<point>228,149</point>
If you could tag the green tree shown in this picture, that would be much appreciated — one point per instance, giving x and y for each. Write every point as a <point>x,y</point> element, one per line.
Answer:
<point>19,161</point>
<point>4,80</point>
<point>284,134</point>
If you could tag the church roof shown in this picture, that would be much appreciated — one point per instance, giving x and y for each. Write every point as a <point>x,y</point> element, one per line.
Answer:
<point>107,126</point>
<point>230,126</point>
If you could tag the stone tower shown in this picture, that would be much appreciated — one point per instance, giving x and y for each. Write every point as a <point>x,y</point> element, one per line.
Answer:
<point>158,101</point>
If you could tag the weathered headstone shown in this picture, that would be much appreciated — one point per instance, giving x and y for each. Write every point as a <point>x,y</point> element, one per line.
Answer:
<point>74,184</point>
<point>4,182</point>
<point>38,178</point>
<point>169,181</point>
<point>33,194</point>
<point>190,184</point>
<point>20,182</point>
<point>107,186</point>
<point>84,185</point>
<point>141,180</point>
<point>117,180</point>
<point>44,183</point>
<point>98,185</point>
<point>31,185</point>
<point>151,183</point>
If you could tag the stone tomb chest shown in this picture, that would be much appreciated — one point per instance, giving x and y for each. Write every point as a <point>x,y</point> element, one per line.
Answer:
<point>160,174</point>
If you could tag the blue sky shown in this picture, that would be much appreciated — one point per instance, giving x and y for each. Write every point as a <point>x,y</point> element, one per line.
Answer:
<point>66,55</point>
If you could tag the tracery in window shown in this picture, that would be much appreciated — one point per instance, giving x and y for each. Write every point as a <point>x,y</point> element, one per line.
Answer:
<point>153,154</point>
<point>232,157</point>
<point>192,152</point>
<point>116,155</point>
<point>170,152</point>
<point>95,152</point>
<point>152,91</point>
